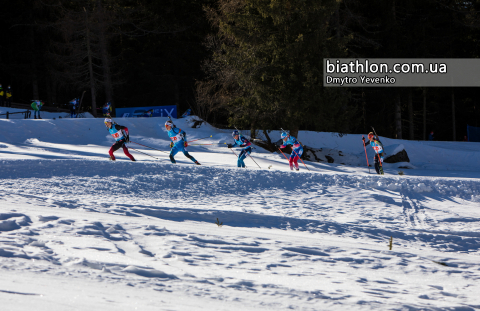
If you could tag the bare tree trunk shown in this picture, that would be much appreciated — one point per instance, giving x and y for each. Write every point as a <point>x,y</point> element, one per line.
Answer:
<point>410,115</point>
<point>424,113</point>
<point>364,112</point>
<point>107,76</point>
<point>398,117</point>
<point>177,91</point>
<point>453,116</point>
<point>337,21</point>
<point>253,130</point>
<point>48,85</point>
<point>294,132</point>
<point>54,92</point>
<point>33,64</point>
<point>90,67</point>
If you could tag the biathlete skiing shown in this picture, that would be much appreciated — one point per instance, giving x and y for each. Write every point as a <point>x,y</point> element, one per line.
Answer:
<point>297,149</point>
<point>379,153</point>
<point>179,142</point>
<point>121,135</point>
<point>242,142</point>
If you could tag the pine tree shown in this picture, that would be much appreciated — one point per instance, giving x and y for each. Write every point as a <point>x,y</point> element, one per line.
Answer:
<point>267,64</point>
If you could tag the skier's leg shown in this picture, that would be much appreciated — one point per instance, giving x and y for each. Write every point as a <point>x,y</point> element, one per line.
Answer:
<point>185,152</point>
<point>290,160</point>
<point>114,148</point>
<point>125,150</point>
<point>295,162</point>
<point>173,152</point>
<point>241,157</point>
<point>380,160</point>
<point>377,164</point>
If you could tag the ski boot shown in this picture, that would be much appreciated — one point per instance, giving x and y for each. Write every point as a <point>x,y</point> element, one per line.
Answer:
<point>196,162</point>
<point>112,159</point>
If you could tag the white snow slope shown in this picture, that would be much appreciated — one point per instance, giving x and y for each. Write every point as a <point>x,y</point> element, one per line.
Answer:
<point>79,232</point>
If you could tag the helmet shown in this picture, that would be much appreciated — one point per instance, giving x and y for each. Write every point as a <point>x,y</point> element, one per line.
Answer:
<point>284,134</point>
<point>235,133</point>
<point>108,120</point>
<point>169,123</point>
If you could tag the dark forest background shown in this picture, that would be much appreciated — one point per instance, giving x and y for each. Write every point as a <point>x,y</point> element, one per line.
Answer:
<point>253,63</point>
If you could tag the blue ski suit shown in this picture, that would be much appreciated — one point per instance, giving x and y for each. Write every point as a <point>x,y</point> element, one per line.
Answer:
<point>247,149</point>
<point>379,153</point>
<point>297,150</point>
<point>179,142</point>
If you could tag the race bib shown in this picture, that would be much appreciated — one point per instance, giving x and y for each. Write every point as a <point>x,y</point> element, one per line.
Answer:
<point>177,137</point>
<point>378,149</point>
<point>118,135</point>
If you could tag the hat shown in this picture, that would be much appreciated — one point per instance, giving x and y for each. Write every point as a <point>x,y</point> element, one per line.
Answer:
<point>108,120</point>
<point>284,134</point>
<point>169,123</point>
<point>235,133</point>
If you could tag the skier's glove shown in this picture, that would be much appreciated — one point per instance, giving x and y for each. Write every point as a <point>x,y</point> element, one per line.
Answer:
<point>229,146</point>
<point>185,144</point>
<point>282,146</point>
<point>127,139</point>
<point>171,144</point>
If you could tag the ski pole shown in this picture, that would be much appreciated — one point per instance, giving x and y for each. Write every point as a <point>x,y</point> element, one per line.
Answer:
<point>282,153</point>
<point>253,160</point>
<point>200,138</point>
<point>144,153</point>
<point>233,152</point>
<point>366,157</point>
<point>300,159</point>
<point>202,144</point>
<point>148,147</point>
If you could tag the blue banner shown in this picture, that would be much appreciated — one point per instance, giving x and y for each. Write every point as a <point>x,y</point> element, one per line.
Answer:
<point>147,112</point>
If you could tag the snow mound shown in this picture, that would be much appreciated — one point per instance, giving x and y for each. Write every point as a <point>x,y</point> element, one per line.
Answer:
<point>148,273</point>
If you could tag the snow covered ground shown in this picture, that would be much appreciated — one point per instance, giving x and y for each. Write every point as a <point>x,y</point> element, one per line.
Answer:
<point>80,232</point>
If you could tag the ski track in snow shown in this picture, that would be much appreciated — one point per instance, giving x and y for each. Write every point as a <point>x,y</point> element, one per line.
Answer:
<point>142,235</point>
<point>220,263</point>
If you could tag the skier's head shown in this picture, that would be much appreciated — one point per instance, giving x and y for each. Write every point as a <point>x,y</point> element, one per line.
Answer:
<point>370,136</point>
<point>284,135</point>
<point>108,122</point>
<point>169,125</point>
<point>108,103</point>
<point>235,134</point>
